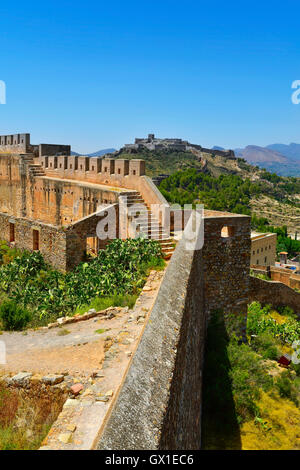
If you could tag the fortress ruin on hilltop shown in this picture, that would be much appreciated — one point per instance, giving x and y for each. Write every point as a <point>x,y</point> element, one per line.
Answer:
<point>153,143</point>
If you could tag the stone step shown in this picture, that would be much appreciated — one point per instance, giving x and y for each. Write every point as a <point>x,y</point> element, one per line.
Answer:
<point>37,170</point>
<point>158,237</point>
<point>167,250</point>
<point>154,232</point>
<point>154,226</point>
<point>136,201</point>
<point>167,244</point>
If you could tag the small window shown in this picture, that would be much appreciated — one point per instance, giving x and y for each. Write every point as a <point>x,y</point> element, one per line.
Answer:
<point>11,232</point>
<point>227,231</point>
<point>36,239</point>
<point>133,172</point>
<point>253,252</point>
<point>266,259</point>
<point>119,171</point>
<point>60,165</point>
<point>71,166</point>
<point>257,261</point>
<point>81,167</point>
<point>93,168</point>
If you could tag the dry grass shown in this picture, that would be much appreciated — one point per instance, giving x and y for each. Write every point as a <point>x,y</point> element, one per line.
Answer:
<point>27,415</point>
<point>279,428</point>
<point>276,212</point>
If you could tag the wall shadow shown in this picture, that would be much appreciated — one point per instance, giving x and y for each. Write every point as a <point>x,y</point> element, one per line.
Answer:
<point>220,427</point>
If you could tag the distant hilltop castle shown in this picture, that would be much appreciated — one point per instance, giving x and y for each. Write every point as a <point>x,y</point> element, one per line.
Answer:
<point>153,143</point>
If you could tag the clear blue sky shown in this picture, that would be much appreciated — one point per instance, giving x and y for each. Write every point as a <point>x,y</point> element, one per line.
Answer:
<point>97,74</point>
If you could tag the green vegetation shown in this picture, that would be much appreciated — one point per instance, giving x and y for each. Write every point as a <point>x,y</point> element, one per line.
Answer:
<point>259,276</point>
<point>114,277</point>
<point>165,161</point>
<point>261,321</point>
<point>225,193</point>
<point>232,193</point>
<point>13,316</point>
<point>289,185</point>
<point>249,401</point>
<point>103,302</point>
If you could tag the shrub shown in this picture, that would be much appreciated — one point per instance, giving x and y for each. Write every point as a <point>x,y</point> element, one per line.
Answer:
<point>286,387</point>
<point>296,368</point>
<point>13,316</point>
<point>259,320</point>
<point>120,269</point>
<point>248,378</point>
<point>287,312</point>
<point>266,345</point>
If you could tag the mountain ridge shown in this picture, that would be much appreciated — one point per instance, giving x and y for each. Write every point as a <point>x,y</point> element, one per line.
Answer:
<point>272,159</point>
<point>98,153</point>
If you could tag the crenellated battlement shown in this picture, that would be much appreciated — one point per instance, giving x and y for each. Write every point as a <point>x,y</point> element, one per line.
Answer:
<point>93,169</point>
<point>20,144</point>
<point>15,143</point>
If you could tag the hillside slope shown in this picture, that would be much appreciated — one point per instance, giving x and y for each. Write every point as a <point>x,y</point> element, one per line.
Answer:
<point>268,195</point>
<point>272,158</point>
<point>255,154</point>
<point>291,151</point>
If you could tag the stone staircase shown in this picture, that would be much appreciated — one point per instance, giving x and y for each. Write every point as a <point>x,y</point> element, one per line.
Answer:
<point>147,223</point>
<point>35,169</point>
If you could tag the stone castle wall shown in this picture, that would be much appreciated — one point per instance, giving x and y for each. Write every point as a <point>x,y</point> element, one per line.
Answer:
<point>121,173</point>
<point>20,144</point>
<point>274,293</point>
<point>285,276</point>
<point>51,240</point>
<point>15,143</point>
<point>60,195</point>
<point>159,405</point>
<point>53,149</point>
<point>226,258</point>
<point>49,200</point>
<point>65,195</point>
